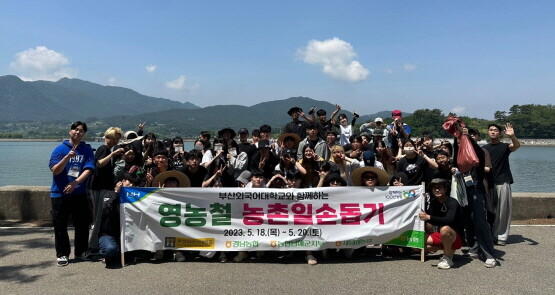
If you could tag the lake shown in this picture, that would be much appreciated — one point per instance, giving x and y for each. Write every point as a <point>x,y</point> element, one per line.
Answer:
<point>26,163</point>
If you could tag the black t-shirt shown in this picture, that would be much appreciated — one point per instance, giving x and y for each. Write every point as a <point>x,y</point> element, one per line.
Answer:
<point>414,168</point>
<point>269,166</point>
<point>325,127</point>
<point>501,170</point>
<point>103,176</point>
<point>195,178</point>
<point>448,213</point>
<point>298,128</point>
<point>246,147</point>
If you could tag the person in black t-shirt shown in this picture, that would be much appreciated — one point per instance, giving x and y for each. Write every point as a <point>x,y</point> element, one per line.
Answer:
<point>503,178</point>
<point>104,179</point>
<point>193,169</point>
<point>443,222</point>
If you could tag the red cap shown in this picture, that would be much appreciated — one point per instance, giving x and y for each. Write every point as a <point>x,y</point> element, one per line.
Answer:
<point>396,114</point>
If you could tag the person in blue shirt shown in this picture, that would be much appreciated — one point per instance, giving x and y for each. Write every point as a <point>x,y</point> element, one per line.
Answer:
<point>71,163</point>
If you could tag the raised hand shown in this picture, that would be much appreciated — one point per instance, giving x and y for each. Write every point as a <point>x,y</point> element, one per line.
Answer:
<point>509,131</point>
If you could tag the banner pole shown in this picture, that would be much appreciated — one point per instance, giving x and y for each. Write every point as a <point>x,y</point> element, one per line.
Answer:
<point>122,230</point>
<point>422,207</point>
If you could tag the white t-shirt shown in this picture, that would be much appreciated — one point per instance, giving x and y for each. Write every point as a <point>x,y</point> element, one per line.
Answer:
<point>346,132</point>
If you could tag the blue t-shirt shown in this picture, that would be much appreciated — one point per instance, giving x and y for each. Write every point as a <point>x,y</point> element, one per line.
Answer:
<point>83,159</point>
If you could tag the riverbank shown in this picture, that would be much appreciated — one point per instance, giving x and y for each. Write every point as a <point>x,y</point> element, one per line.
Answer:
<point>32,203</point>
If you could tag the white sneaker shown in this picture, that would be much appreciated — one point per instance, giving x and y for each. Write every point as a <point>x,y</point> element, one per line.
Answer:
<point>445,262</point>
<point>490,263</point>
<point>62,261</point>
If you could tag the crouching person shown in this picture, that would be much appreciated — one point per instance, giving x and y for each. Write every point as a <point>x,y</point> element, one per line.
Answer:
<point>109,234</point>
<point>444,222</point>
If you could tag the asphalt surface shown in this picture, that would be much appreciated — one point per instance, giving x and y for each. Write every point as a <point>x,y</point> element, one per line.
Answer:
<point>27,266</point>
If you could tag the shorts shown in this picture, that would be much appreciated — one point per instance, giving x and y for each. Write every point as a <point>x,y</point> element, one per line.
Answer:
<point>436,240</point>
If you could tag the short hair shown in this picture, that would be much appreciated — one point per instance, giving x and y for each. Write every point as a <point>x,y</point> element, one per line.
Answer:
<point>112,132</point>
<point>355,137</point>
<point>135,179</point>
<point>490,125</point>
<point>405,140</point>
<point>266,128</point>
<point>256,132</point>
<point>427,136</point>
<point>77,123</point>
<point>161,151</point>
<point>178,139</point>
<point>440,152</point>
<point>312,125</point>
<point>193,154</point>
<point>321,112</point>
<point>342,115</point>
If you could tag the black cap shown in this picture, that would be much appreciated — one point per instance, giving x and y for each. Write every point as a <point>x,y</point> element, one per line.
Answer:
<point>289,152</point>
<point>294,110</point>
<point>264,143</point>
<point>243,130</point>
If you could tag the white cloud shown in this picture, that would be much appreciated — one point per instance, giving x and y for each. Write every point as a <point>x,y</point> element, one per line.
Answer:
<point>458,110</point>
<point>178,83</point>
<point>112,81</point>
<point>41,63</point>
<point>409,67</point>
<point>388,71</point>
<point>336,58</point>
<point>151,68</point>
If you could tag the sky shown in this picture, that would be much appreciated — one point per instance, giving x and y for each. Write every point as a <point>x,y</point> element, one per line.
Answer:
<point>468,57</point>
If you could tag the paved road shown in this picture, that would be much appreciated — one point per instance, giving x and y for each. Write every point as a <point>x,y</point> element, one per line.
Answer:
<point>527,267</point>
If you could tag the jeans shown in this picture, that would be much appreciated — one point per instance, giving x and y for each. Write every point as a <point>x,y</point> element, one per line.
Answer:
<point>108,246</point>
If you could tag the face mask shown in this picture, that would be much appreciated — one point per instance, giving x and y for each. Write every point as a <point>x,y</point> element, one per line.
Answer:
<point>198,147</point>
<point>408,150</point>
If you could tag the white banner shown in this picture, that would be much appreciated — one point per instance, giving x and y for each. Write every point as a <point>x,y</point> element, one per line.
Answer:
<point>239,219</point>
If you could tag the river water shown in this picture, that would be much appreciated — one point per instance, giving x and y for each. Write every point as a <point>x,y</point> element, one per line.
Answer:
<point>26,163</point>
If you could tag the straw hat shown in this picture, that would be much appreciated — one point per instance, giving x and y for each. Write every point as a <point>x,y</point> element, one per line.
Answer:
<point>383,178</point>
<point>295,137</point>
<point>180,176</point>
<point>129,137</point>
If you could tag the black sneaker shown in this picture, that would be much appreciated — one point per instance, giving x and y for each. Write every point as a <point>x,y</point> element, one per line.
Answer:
<point>62,261</point>
<point>85,256</point>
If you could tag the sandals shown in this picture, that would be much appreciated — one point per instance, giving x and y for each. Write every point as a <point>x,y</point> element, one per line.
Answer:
<point>311,260</point>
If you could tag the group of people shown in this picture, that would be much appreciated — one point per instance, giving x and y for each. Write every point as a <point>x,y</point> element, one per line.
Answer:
<point>314,152</point>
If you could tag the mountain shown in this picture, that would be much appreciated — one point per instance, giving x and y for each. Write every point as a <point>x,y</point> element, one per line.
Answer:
<point>188,123</point>
<point>72,99</point>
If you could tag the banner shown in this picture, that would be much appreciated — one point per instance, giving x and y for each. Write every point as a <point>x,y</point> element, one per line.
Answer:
<point>240,219</point>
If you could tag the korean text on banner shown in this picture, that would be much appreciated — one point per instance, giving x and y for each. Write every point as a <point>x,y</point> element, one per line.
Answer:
<point>238,219</point>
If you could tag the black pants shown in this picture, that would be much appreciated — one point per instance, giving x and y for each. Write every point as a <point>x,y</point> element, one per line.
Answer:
<point>478,232</point>
<point>76,206</point>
